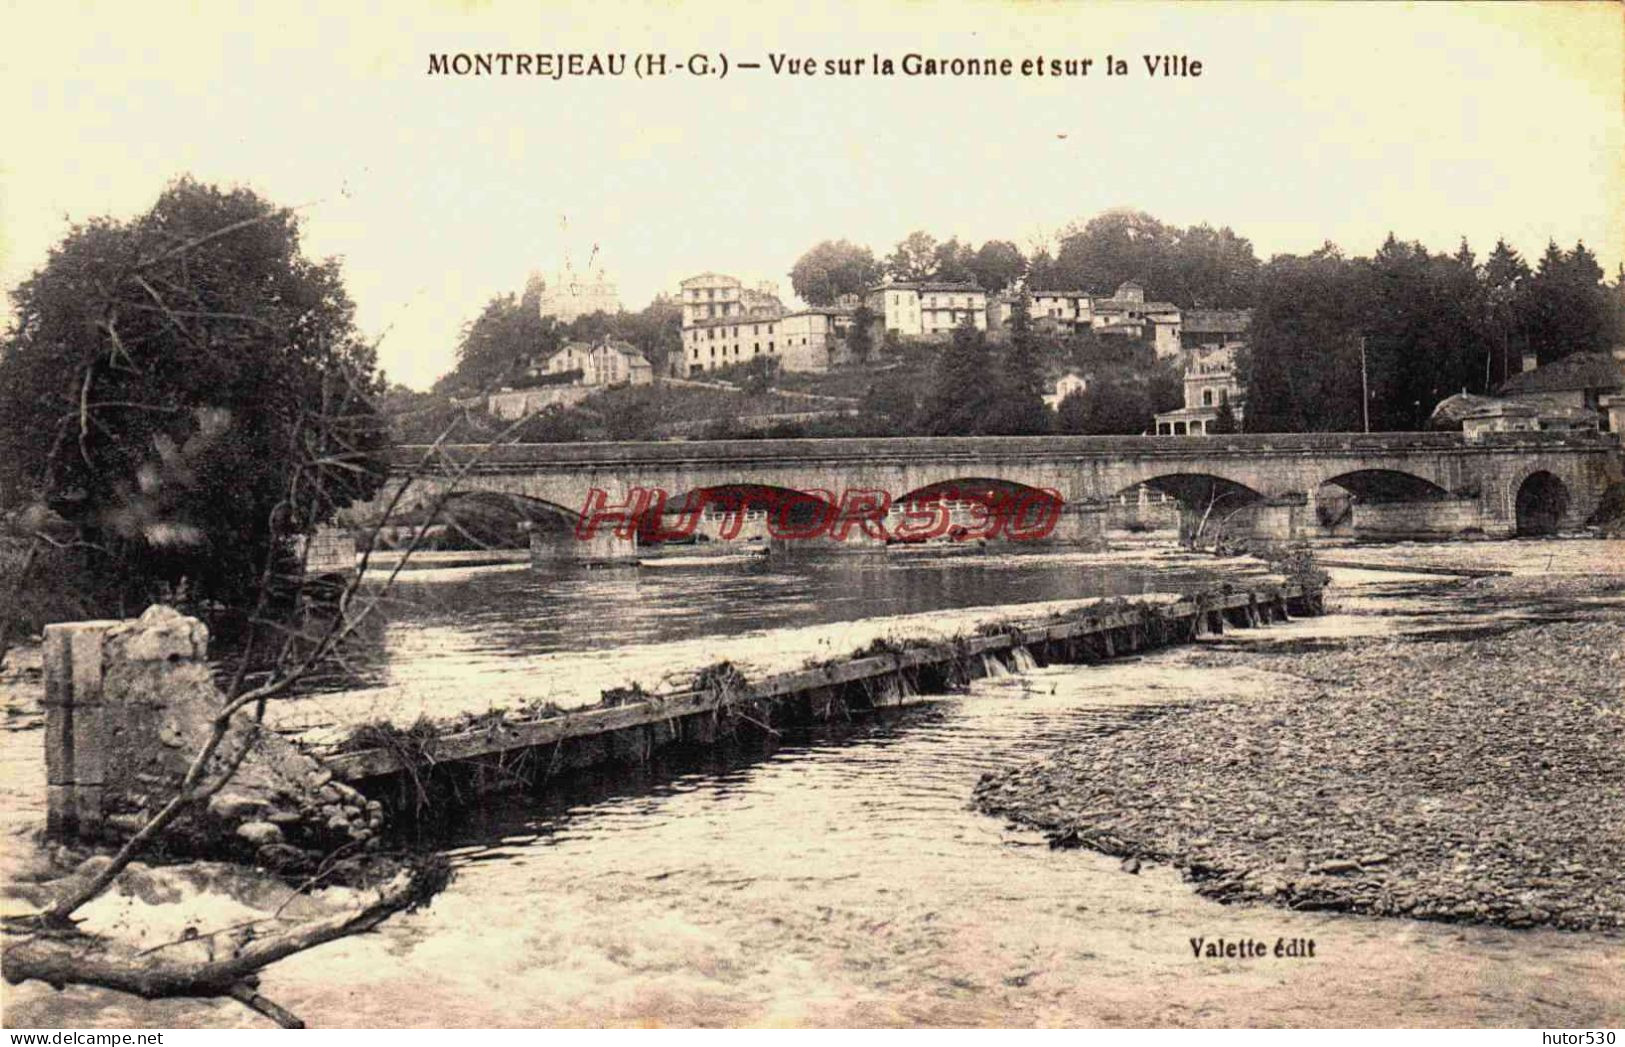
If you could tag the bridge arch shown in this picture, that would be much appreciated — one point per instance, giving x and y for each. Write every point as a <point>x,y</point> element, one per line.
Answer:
<point>474,518</point>
<point>983,504</point>
<point>1207,503</point>
<point>1200,491</point>
<point>1386,485</point>
<point>1540,502</point>
<point>745,511</point>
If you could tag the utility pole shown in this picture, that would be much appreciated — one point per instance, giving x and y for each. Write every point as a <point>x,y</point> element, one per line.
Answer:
<point>1365,389</point>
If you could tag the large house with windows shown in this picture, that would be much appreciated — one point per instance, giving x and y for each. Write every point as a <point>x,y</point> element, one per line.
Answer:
<point>1126,314</point>
<point>726,323</point>
<point>926,308</point>
<point>1211,380</point>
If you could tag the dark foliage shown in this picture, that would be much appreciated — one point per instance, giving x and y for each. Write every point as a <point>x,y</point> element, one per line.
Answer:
<point>185,391</point>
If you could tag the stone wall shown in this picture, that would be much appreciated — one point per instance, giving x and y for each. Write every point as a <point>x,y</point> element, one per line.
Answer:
<point>1441,518</point>
<point>129,705</point>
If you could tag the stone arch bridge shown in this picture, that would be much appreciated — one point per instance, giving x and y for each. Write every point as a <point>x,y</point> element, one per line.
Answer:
<point>1260,486</point>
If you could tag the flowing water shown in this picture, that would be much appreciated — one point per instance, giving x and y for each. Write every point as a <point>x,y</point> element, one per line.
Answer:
<point>839,877</point>
<point>470,640</point>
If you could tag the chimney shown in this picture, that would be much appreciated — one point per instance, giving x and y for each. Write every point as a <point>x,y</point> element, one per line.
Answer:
<point>1529,362</point>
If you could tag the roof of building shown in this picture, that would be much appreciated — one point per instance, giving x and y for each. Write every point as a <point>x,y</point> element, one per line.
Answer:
<point>1461,405</point>
<point>1217,321</point>
<point>820,310</point>
<point>710,277</point>
<point>1123,305</point>
<point>626,349</point>
<point>1120,327</point>
<point>1061,294</point>
<point>1576,371</point>
<point>927,285</point>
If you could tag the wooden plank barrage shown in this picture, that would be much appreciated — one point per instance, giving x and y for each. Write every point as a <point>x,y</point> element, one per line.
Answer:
<point>506,737</point>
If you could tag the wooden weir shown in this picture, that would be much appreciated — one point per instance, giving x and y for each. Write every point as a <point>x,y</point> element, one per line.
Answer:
<point>1089,634</point>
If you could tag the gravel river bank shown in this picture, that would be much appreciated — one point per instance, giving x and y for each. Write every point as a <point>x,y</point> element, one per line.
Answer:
<point>1463,771</point>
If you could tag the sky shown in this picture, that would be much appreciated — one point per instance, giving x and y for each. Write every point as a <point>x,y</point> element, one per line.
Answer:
<point>1310,122</point>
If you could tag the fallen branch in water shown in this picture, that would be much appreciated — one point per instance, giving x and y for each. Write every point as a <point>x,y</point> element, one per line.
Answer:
<point>35,950</point>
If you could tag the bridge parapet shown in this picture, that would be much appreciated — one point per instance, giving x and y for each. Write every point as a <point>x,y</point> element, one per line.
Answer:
<point>1260,467</point>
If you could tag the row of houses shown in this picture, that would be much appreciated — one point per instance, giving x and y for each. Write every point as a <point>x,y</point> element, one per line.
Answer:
<point>1580,391</point>
<point>726,323</point>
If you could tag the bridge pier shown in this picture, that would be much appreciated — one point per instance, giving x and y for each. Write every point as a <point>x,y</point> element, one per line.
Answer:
<point>1431,519</point>
<point>1266,522</point>
<point>1081,523</point>
<point>603,549</point>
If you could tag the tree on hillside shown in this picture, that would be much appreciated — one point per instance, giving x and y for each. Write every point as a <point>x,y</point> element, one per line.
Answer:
<point>1110,406</point>
<point>953,262</point>
<point>656,331</point>
<point>495,342</point>
<point>1209,268</point>
<point>1019,408</point>
<point>1567,309</point>
<point>997,265</point>
<point>914,258</point>
<point>1302,366</point>
<point>961,398</point>
<point>535,287</point>
<point>1224,421</point>
<point>1115,247</point>
<point>833,268</point>
<point>891,404</point>
<point>860,340</point>
<point>187,392</point>
<point>1041,272</point>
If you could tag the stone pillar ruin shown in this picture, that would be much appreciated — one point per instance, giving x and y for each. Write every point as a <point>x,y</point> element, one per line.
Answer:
<point>128,706</point>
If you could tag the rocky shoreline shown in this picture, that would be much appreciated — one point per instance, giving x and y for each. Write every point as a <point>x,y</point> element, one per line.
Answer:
<point>1469,778</point>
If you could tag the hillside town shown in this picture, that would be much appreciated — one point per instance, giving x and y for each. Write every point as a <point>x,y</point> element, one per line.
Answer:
<point>724,330</point>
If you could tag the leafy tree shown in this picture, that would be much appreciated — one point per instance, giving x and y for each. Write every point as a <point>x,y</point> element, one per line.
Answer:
<point>860,341</point>
<point>954,262</point>
<point>961,398</point>
<point>914,258</point>
<point>759,374</point>
<point>1224,421</point>
<point>1041,273</point>
<point>1209,268</point>
<point>1115,247</point>
<point>656,331</point>
<point>1566,309</point>
<point>534,288</point>
<point>892,403</point>
<point>1302,366</point>
<point>1019,408</point>
<point>187,392</point>
<point>1110,406</point>
<point>831,269</point>
<point>997,265</point>
<point>502,337</point>
<point>1199,267</point>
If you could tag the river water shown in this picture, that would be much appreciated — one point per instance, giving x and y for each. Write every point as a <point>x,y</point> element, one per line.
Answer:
<point>469,640</point>
<point>840,878</point>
